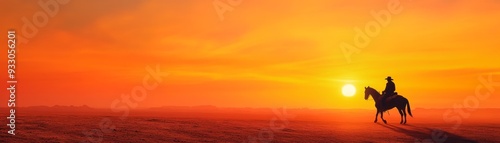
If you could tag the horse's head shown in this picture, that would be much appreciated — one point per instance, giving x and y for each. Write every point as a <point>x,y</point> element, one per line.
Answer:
<point>371,91</point>
<point>367,92</point>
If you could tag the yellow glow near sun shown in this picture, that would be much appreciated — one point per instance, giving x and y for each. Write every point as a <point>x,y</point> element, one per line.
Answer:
<point>348,90</point>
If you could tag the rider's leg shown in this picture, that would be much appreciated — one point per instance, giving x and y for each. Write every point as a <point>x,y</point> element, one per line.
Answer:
<point>382,101</point>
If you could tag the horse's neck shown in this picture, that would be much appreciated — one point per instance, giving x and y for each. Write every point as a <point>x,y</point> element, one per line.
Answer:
<point>375,95</point>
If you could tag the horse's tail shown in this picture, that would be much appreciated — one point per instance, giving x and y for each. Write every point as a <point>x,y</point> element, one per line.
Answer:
<point>408,107</point>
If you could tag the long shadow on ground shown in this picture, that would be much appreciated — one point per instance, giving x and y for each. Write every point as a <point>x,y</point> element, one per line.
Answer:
<point>423,134</point>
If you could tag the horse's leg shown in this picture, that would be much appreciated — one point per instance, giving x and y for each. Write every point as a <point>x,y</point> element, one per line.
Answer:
<point>382,117</point>
<point>376,117</point>
<point>400,113</point>
<point>404,114</point>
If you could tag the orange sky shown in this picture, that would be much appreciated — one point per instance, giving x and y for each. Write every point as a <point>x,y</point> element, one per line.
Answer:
<point>263,54</point>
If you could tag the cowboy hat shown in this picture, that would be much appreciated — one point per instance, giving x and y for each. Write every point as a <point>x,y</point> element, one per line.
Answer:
<point>389,78</point>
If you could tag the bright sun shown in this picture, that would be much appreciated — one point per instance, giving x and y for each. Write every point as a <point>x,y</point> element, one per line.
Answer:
<point>348,90</point>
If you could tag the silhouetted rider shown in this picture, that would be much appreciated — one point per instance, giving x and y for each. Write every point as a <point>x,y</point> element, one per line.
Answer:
<point>390,87</point>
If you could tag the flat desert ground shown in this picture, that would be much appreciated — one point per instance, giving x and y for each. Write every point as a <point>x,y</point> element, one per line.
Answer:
<point>247,125</point>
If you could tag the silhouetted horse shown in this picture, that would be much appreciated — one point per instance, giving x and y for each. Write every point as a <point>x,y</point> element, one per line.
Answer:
<point>397,101</point>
